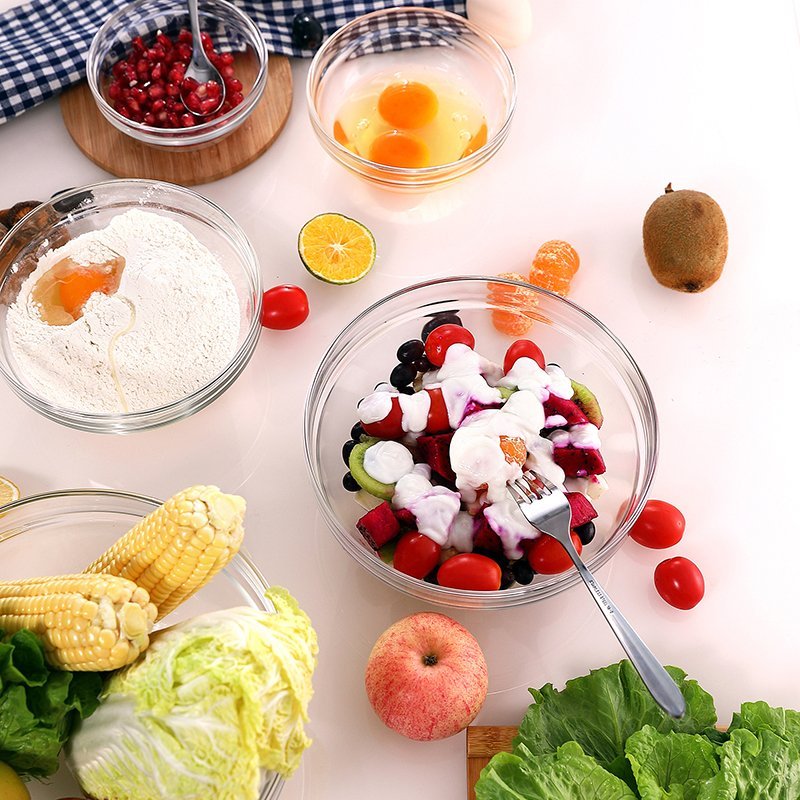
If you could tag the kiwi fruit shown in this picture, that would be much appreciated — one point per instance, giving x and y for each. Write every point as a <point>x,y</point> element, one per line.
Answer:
<point>587,402</point>
<point>506,392</point>
<point>685,240</point>
<point>384,491</point>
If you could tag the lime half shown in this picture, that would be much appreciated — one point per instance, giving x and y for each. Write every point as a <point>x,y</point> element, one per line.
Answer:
<point>336,249</point>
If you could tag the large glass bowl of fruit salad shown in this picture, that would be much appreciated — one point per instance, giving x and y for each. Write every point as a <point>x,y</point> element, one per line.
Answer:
<point>126,305</point>
<point>65,531</point>
<point>430,401</point>
<point>136,69</point>
<point>411,98</point>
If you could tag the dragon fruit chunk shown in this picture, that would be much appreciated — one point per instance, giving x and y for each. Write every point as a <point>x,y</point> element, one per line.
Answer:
<point>379,526</point>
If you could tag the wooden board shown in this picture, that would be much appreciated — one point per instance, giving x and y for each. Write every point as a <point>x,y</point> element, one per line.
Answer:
<point>124,157</point>
<point>484,741</point>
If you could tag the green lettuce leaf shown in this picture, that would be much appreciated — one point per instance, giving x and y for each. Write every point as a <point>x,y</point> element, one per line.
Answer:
<point>39,707</point>
<point>757,766</point>
<point>672,766</point>
<point>600,711</point>
<point>759,716</point>
<point>567,774</point>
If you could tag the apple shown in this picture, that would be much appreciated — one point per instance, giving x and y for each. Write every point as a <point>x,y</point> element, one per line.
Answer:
<point>426,677</point>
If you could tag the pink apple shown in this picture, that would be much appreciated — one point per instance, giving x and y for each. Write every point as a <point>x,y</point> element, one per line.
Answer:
<point>426,677</point>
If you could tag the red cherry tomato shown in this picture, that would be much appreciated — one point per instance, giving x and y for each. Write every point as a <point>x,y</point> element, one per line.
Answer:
<point>439,339</point>
<point>470,571</point>
<point>680,582</point>
<point>659,525</point>
<point>390,427</point>
<point>438,421</point>
<point>547,556</point>
<point>416,554</point>
<point>522,348</point>
<point>284,307</point>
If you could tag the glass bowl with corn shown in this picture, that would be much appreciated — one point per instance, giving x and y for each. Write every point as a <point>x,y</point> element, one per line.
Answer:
<point>122,575</point>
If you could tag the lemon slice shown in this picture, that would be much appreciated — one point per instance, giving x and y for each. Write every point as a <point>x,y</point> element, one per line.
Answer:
<point>336,249</point>
<point>8,491</point>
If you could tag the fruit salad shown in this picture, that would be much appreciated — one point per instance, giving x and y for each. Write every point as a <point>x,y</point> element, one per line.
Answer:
<point>435,447</point>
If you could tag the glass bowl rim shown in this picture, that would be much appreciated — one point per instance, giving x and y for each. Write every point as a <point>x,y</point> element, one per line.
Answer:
<point>407,172</point>
<point>196,131</point>
<point>94,418</point>
<point>554,584</point>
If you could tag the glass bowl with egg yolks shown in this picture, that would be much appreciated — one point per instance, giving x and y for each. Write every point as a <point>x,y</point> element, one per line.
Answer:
<point>411,99</point>
<point>364,354</point>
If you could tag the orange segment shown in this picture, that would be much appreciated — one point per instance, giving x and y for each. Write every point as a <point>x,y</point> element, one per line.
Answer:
<point>514,449</point>
<point>408,105</point>
<point>512,322</point>
<point>554,266</point>
<point>396,149</point>
<point>477,141</point>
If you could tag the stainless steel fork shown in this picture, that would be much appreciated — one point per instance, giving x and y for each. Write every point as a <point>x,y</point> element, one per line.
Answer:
<point>548,510</point>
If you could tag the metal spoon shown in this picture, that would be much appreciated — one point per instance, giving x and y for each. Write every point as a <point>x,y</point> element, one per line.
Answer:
<point>200,68</point>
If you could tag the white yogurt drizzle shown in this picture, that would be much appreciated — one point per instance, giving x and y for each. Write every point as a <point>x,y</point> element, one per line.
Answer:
<point>375,407</point>
<point>584,436</point>
<point>387,462</point>
<point>435,507</point>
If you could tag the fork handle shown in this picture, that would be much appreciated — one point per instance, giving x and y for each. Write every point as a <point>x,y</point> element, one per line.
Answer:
<point>657,680</point>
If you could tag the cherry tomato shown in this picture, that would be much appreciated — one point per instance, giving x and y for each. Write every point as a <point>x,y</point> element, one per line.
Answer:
<point>470,571</point>
<point>659,525</point>
<point>284,307</point>
<point>442,337</point>
<point>522,348</point>
<point>390,427</point>
<point>547,556</point>
<point>438,421</point>
<point>680,582</point>
<point>416,554</point>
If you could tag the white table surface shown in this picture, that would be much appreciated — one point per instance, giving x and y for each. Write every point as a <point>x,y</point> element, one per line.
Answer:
<point>615,100</point>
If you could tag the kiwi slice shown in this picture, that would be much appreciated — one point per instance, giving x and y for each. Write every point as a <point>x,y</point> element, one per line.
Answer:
<point>356,463</point>
<point>685,239</point>
<point>505,392</point>
<point>587,402</point>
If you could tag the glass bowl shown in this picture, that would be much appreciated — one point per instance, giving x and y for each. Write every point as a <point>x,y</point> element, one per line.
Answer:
<point>77,211</point>
<point>363,354</point>
<point>59,533</point>
<point>397,39</point>
<point>231,30</point>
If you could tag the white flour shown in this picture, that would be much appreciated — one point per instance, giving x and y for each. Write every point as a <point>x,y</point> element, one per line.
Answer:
<point>172,326</point>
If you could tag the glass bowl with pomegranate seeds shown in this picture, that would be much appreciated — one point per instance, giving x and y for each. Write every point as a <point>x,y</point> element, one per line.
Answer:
<point>344,419</point>
<point>136,70</point>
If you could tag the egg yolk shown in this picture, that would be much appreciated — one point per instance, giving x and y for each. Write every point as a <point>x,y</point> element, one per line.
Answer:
<point>78,286</point>
<point>396,149</point>
<point>408,105</point>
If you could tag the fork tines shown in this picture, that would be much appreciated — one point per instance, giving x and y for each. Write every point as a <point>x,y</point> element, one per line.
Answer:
<point>530,487</point>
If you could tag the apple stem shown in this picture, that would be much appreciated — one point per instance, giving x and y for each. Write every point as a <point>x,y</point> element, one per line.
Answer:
<point>430,660</point>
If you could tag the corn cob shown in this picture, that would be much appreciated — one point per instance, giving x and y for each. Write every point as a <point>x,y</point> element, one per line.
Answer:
<point>87,623</point>
<point>179,547</point>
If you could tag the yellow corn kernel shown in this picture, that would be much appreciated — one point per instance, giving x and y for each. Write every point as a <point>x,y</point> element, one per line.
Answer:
<point>179,547</point>
<point>87,623</point>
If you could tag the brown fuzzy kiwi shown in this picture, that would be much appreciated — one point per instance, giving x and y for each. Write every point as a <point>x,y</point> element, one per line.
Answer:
<point>685,240</point>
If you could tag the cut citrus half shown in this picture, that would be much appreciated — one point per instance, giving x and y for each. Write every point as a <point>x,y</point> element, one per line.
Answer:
<point>8,491</point>
<point>336,249</point>
<point>521,304</point>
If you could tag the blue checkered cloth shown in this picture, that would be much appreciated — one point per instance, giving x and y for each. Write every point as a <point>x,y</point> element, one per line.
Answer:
<point>43,44</point>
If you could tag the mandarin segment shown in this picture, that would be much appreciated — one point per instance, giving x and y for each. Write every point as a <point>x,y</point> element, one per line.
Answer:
<point>513,322</point>
<point>554,266</point>
<point>514,449</point>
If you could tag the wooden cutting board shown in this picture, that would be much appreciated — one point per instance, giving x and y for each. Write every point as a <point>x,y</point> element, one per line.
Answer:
<point>124,157</point>
<point>484,741</point>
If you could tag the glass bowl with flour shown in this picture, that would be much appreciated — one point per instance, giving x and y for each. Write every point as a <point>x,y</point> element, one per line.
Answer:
<point>126,305</point>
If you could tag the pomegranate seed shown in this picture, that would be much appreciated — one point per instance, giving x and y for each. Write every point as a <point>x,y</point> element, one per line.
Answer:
<point>209,105</point>
<point>114,91</point>
<point>172,103</point>
<point>190,84</point>
<point>188,121</point>
<point>164,41</point>
<point>149,119</point>
<point>226,58</point>
<point>201,90</point>
<point>213,89</point>
<point>185,52</point>
<point>193,102</point>
<point>156,53</point>
<point>157,73</point>
<point>233,85</point>
<point>173,90</point>
<point>176,74</point>
<point>156,91</point>
<point>162,117</point>
<point>172,117</point>
<point>185,36</point>
<point>236,98</point>
<point>138,45</point>
<point>133,106</point>
<point>124,111</point>
<point>227,71</point>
